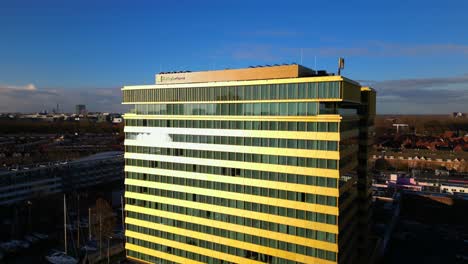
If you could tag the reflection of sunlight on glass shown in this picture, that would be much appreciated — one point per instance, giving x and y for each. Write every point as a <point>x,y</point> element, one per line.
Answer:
<point>151,138</point>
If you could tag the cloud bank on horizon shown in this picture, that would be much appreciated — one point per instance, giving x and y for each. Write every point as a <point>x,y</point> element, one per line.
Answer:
<point>30,99</point>
<point>421,95</point>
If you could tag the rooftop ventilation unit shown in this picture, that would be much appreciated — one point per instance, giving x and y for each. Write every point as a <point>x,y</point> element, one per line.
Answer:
<point>322,73</point>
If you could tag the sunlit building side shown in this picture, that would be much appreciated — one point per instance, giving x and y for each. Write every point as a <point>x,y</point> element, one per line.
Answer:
<point>255,165</point>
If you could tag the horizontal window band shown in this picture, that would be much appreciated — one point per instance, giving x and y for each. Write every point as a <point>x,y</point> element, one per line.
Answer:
<point>153,209</point>
<point>176,248</point>
<point>240,228</point>
<point>333,210</point>
<point>331,118</point>
<point>153,181</point>
<point>221,239</point>
<point>147,139</point>
<point>273,209</point>
<point>255,173</point>
<point>329,136</point>
<point>159,254</point>
<point>235,211</point>
<point>303,153</point>
<point>314,79</point>
<point>330,173</point>
<point>285,88</point>
<point>238,180</point>
<point>270,157</point>
<point>234,109</point>
<point>239,101</point>
<point>242,245</point>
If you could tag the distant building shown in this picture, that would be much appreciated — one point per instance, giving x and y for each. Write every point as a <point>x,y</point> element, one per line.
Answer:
<point>80,109</point>
<point>24,183</point>
<point>458,115</point>
<point>117,120</point>
<point>453,188</point>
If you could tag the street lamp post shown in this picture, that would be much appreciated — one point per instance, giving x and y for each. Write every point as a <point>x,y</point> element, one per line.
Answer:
<point>29,203</point>
<point>108,249</point>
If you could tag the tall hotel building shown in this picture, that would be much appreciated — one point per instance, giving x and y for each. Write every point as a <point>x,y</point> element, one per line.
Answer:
<point>255,165</point>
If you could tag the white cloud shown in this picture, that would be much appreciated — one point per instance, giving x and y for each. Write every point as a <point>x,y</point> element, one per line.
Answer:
<point>27,87</point>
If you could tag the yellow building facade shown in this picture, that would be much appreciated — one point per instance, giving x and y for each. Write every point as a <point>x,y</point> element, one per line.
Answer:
<point>255,165</point>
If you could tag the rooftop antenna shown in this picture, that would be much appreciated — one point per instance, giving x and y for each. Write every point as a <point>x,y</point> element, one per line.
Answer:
<point>340,65</point>
<point>301,56</point>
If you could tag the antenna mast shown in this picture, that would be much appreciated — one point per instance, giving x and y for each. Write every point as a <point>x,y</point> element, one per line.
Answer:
<point>340,65</point>
<point>301,56</point>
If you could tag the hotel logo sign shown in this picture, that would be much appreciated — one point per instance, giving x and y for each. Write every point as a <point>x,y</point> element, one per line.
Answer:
<point>169,79</point>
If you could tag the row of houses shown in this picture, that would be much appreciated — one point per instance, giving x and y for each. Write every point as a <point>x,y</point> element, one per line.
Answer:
<point>458,164</point>
<point>447,141</point>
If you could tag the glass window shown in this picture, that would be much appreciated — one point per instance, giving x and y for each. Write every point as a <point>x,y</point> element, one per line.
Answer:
<point>232,109</point>
<point>311,126</point>
<point>292,91</point>
<point>312,90</point>
<point>311,108</point>
<point>292,126</point>
<point>322,90</point>
<point>240,92</point>
<point>256,93</point>
<point>257,109</point>
<point>266,109</point>
<point>224,109</point>
<point>247,92</point>
<point>301,126</point>
<point>248,109</point>
<point>333,127</point>
<point>302,91</point>
<point>274,108</point>
<point>283,93</point>
<point>283,126</point>
<point>273,125</point>
<point>273,91</point>
<point>265,91</point>
<point>283,109</point>
<point>292,143</point>
<point>292,109</point>
<point>302,109</point>
<point>322,127</point>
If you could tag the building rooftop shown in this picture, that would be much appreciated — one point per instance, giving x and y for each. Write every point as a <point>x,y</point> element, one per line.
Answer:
<point>243,74</point>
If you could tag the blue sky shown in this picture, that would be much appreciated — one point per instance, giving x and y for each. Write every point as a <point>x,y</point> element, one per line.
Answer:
<point>415,53</point>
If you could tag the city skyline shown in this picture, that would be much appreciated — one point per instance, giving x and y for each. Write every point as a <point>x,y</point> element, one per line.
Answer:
<point>72,53</point>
